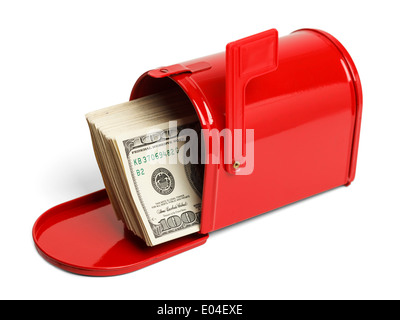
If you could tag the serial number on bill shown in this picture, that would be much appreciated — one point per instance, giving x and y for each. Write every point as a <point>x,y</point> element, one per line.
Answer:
<point>155,156</point>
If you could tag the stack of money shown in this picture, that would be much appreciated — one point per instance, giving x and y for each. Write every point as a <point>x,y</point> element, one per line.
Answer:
<point>143,159</point>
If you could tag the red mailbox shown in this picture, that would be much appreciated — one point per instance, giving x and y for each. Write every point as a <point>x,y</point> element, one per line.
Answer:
<point>300,96</point>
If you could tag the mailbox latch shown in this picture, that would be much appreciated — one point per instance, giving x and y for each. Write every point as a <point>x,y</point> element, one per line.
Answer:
<point>178,69</point>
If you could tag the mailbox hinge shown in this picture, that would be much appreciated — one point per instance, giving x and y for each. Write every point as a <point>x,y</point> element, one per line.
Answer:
<point>178,69</point>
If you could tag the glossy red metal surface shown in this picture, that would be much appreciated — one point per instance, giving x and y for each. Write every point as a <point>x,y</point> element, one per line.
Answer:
<point>84,236</point>
<point>306,117</point>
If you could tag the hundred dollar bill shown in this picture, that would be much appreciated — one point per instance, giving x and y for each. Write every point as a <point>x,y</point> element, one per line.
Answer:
<point>165,190</point>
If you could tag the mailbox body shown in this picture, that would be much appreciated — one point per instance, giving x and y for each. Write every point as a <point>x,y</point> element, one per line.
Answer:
<point>305,112</point>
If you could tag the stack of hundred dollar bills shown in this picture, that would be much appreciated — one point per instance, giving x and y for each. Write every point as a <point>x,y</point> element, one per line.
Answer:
<point>143,159</point>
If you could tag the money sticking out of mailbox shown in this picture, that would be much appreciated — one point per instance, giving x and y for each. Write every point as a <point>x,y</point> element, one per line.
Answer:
<point>290,109</point>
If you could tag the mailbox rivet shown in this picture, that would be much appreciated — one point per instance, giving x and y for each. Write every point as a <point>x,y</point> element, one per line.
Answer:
<point>236,165</point>
<point>164,70</point>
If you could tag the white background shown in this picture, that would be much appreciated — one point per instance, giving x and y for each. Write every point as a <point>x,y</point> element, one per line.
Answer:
<point>61,59</point>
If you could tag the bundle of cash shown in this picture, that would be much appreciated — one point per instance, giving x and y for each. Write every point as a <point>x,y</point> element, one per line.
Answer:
<point>143,157</point>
